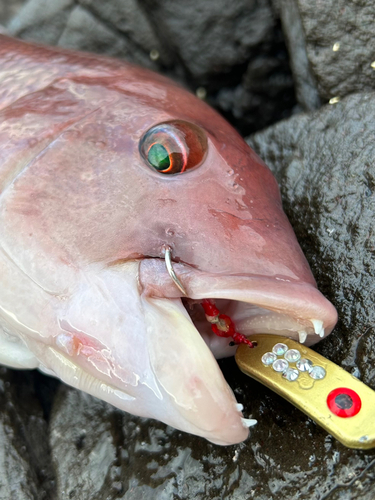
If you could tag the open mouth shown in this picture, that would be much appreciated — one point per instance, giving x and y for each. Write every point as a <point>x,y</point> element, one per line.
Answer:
<point>255,304</point>
<point>154,354</point>
<point>249,319</point>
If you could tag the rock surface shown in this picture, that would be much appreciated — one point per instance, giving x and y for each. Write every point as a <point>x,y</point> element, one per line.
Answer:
<point>324,161</point>
<point>336,38</point>
<point>25,468</point>
<point>9,9</point>
<point>116,455</point>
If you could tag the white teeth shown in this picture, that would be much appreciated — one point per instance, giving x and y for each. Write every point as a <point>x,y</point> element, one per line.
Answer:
<point>318,327</point>
<point>249,422</point>
<point>302,336</point>
<point>239,406</point>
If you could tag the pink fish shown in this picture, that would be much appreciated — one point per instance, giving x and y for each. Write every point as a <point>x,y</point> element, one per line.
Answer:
<point>103,165</point>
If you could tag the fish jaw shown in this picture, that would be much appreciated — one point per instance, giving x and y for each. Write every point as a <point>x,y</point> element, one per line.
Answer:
<point>256,304</point>
<point>140,354</point>
<point>188,372</point>
<point>116,337</point>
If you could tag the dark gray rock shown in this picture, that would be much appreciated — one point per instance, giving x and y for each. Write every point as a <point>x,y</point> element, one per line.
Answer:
<point>115,28</point>
<point>82,446</point>
<point>212,37</point>
<point>306,90</point>
<point>233,53</point>
<point>339,43</point>
<point>351,25</point>
<point>41,20</point>
<point>324,163</point>
<point>83,31</point>
<point>25,471</point>
<point>127,19</point>
<point>235,50</point>
<point>9,9</point>
<point>100,452</point>
<point>265,92</point>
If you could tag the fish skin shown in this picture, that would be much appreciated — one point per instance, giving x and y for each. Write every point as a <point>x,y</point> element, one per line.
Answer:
<point>84,223</point>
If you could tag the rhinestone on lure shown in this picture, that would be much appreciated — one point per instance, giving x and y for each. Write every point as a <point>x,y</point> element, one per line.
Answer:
<point>279,349</point>
<point>292,355</point>
<point>280,365</point>
<point>304,365</point>
<point>268,358</point>
<point>291,374</point>
<point>317,373</point>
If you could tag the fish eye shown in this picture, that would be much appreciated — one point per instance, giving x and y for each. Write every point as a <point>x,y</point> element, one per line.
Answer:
<point>173,147</point>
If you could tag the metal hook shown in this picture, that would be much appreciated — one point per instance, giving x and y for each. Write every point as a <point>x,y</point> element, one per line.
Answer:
<point>172,274</point>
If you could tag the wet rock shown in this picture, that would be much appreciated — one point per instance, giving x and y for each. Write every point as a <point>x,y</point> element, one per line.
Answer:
<point>324,163</point>
<point>127,19</point>
<point>115,28</point>
<point>104,453</point>
<point>338,42</point>
<point>212,37</point>
<point>41,20</point>
<point>306,89</point>
<point>84,31</point>
<point>235,50</point>
<point>265,92</point>
<point>82,446</point>
<point>25,471</point>
<point>9,9</point>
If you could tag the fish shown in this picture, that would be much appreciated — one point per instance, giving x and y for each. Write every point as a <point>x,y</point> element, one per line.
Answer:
<point>104,167</point>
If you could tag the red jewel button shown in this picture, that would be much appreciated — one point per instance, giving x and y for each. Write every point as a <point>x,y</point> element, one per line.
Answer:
<point>344,402</point>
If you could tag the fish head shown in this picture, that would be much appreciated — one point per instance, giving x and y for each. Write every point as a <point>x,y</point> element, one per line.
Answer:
<point>125,166</point>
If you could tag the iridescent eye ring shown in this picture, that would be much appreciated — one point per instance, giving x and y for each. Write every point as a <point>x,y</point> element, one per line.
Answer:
<point>173,147</point>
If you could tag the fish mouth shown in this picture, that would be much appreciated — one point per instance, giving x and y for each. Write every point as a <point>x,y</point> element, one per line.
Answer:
<point>156,358</point>
<point>251,319</point>
<point>255,304</point>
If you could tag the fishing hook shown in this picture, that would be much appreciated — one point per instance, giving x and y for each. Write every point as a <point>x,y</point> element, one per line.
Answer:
<point>172,274</point>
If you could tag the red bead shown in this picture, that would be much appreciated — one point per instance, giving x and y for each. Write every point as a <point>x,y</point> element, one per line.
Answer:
<point>218,332</point>
<point>225,330</point>
<point>344,402</point>
<point>226,327</point>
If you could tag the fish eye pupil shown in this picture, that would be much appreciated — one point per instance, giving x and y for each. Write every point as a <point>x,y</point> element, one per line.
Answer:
<point>158,157</point>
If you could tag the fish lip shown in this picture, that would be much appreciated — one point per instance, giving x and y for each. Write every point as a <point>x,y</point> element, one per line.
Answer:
<point>297,299</point>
